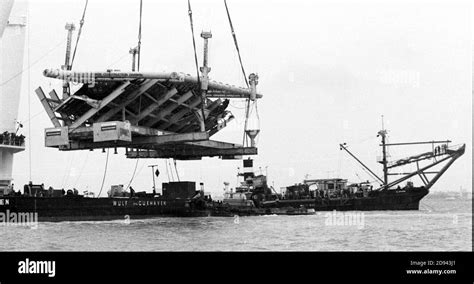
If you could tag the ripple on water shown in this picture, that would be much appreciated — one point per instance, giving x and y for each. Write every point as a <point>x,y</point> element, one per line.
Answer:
<point>446,226</point>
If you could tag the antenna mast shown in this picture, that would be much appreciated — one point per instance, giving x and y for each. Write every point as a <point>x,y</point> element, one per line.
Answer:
<point>383,134</point>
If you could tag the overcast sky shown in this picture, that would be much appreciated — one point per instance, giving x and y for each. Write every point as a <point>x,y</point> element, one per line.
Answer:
<point>328,71</point>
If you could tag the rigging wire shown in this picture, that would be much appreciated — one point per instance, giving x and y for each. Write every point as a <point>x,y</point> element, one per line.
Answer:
<point>140,170</point>
<point>367,172</point>
<point>256,113</point>
<point>33,116</point>
<point>31,65</point>
<point>81,23</point>
<point>247,109</point>
<point>82,169</point>
<point>339,163</point>
<point>133,175</point>
<point>67,169</point>
<point>105,173</point>
<point>370,174</point>
<point>190,13</point>
<point>118,60</point>
<point>234,36</point>
<point>167,172</point>
<point>29,96</point>
<point>171,169</point>
<point>236,43</point>
<point>235,106</point>
<point>176,169</point>
<point>140,36</point>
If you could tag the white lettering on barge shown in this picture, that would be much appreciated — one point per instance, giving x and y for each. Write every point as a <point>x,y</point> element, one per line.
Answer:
<point>135,203</point>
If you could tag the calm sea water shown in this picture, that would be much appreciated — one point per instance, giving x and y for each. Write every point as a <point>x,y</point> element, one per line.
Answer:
<point>440,224</point>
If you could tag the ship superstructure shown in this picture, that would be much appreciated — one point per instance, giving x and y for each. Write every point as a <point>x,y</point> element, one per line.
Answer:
<point>12,44</point>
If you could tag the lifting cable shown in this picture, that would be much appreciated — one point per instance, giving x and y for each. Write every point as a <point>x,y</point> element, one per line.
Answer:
<point>105,173</point>
<point>140,35</point>
<point>30,65</point>
<point>133,175</point>
<point>236,44</point>
<point>67,170</point>
<point>171,169</point>
<point>245,138</point>
<point>176,169</point>
<point>234,36</point>
<point>190,13</point>
<point>82,169</point>
<point>167,172</point>
<point>81,23</point>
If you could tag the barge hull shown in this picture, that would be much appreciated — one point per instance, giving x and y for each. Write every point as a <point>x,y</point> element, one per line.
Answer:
<point>98,209</point>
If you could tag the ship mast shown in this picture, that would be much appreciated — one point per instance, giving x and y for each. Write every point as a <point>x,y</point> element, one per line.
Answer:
<point>383,134</point>
<point>70,27</point>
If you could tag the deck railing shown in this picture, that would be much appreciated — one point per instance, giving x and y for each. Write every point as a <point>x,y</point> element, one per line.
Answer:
<point>11,139</point>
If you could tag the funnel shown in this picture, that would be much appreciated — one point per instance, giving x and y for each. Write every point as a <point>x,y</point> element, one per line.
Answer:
<point>252,134</point>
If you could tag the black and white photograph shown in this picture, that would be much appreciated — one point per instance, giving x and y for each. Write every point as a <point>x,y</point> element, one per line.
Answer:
<point>163,127</point>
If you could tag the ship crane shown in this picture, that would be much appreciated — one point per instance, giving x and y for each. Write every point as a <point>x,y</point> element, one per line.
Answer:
<point>441,153</point>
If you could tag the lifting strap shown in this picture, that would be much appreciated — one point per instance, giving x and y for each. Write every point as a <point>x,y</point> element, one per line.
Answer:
<point>234,36</point>
<point>79,32</point>
<point>140,36</point>
<point>236,44</point>
<point>190,13</point>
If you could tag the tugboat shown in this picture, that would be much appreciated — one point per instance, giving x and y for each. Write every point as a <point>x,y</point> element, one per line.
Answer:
<point>255,197</point>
